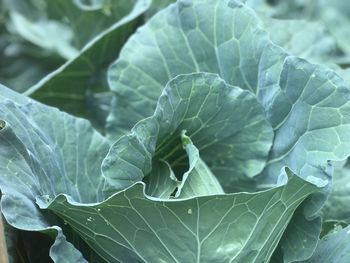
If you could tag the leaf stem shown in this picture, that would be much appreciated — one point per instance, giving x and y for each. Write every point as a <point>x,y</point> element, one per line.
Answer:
<point>3,248</point>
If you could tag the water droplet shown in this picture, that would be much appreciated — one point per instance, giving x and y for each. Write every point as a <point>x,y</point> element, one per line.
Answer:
<point>313,75</point>
<point>189,211</point>
<point>89,219</point>
<point>98,209</point>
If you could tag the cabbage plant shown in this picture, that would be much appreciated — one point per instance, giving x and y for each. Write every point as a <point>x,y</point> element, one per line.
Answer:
<point>218,144</point>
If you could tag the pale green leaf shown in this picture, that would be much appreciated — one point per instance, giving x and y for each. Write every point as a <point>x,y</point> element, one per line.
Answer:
<point>131,227</point>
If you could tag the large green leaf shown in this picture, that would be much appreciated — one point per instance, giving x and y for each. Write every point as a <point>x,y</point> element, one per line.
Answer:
<point>333,248</point>
<point>216,116</point>
<point>41,158</point>
<point>131,227</point>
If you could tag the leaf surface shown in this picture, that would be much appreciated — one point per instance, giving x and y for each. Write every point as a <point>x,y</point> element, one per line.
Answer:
<point>337,206</point>
<point>79,86</point>
<point>220,228</point>
<point>40,159</point>
<point>216,116</point>
<point>333,248</point>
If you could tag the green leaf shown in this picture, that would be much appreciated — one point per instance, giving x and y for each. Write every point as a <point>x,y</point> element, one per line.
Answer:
<point>57,25</point>
<point>178,40</point>
<point>305,104</point>
<point>333,15</point>
<point>310,127</point>
<point>306,39</point>
<point>337,206</point>
<point>333,248</point>
<point>163,183</point>
<point>198,180</point>
<point>220,228</point>
<point>20,65</point>
<point>156,6</point>
<point>47,34</point>
<point>301,236</point>
<point>41,159</point>
<point>216,116</point>
<point>296,113</point>
<point>79,86</point>
<point>311,122</point>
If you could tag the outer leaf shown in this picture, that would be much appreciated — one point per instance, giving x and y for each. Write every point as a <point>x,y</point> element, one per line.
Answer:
<point>333,248</point>
<point>40,159</point>
<point>217,117</point>
<point>221,228</point>
<point>74,85</point>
